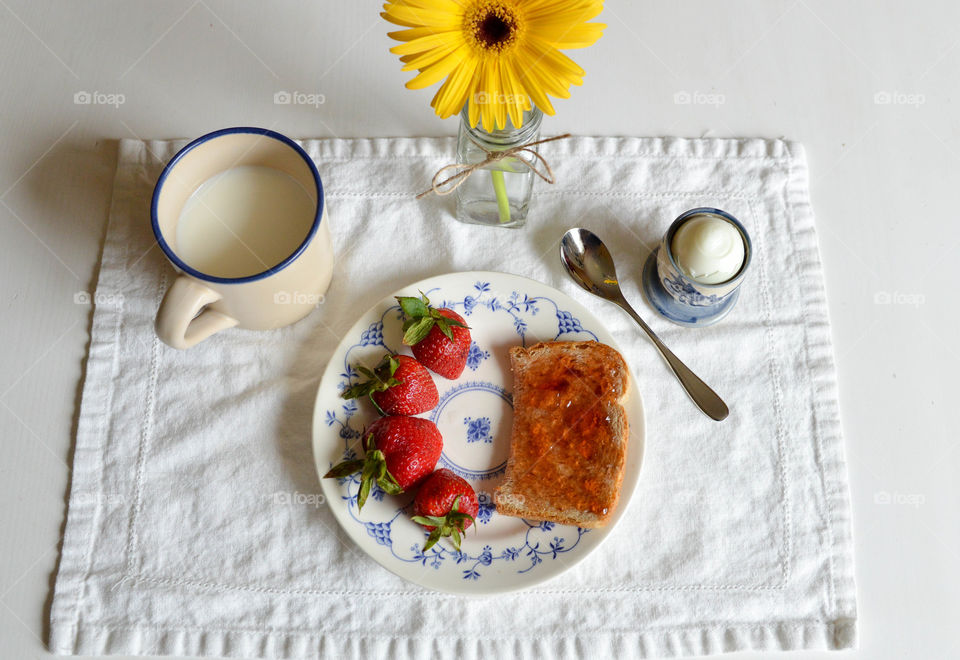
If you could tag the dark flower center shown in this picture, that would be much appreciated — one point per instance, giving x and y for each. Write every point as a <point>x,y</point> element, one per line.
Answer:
<point>493,26</point>
<point>494,30</point>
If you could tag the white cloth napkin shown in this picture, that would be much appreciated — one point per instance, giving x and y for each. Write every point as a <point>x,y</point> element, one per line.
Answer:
<point>193,528</point>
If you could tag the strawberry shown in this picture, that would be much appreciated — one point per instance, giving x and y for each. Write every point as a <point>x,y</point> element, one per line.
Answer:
<point>439,337</point>
<point>445,505</point>
<point>400,453</point>
<point>398,386</point>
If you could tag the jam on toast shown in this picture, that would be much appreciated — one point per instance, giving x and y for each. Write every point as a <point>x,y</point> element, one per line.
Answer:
<point>570,433</point>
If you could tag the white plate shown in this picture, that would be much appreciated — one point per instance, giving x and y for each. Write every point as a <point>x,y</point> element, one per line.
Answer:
<point>474,415</point>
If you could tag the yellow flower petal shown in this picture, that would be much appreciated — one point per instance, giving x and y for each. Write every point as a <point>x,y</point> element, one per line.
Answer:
<point>570,13</point>
<point>499,57</point>
<point>518,99</point>
<point>500,102</point>
<point>453,94</point>
<point>417,16</point>
<point>427,57</point>
<point>490,109</point>
<point>563,36</point>
<point>532,87</point>
<point>418,32</point>
<point>423,43</point>
<point>473,108</point>
<point>551,58</point>
<point>435,5</point>
<point>555,79</point>
<point>438,70</point>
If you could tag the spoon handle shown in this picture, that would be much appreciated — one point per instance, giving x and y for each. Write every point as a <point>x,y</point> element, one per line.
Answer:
<point>706,399</point>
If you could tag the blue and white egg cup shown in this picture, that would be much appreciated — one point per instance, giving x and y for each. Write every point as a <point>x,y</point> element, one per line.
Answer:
<point>681,299</point>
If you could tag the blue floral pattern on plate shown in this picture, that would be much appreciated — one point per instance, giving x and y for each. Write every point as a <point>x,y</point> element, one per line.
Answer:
<point>478,429</point>
<point>524,556</point>
<point>470,387</point>
<point>485,507</point>
<point>520,546</point>
<point>476,356</point>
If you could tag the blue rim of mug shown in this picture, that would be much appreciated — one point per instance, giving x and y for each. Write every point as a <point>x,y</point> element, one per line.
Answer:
<point>706,210</point>
<point>266,132</point>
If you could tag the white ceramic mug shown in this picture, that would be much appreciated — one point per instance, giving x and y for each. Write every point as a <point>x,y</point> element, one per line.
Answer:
<point>199,304</point>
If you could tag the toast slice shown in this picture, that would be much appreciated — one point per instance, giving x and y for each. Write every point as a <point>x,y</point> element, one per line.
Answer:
<point>570,432</point>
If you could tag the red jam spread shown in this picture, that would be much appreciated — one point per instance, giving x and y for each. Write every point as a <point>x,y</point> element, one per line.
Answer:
<point>566,450</point>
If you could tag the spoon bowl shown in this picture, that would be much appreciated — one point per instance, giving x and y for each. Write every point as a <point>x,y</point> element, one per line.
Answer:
<point>589,263</point>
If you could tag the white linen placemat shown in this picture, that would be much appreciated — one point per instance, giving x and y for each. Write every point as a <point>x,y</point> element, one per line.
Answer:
<point>193,528</point>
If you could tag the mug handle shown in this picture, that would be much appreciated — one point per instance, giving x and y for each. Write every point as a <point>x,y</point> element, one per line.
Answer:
<point>180,321</point>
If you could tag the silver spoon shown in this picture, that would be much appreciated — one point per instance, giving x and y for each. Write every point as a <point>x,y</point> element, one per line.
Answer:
<point>590,265</point>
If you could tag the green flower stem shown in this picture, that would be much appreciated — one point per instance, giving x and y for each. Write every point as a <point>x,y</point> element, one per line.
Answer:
<point>500,188</point>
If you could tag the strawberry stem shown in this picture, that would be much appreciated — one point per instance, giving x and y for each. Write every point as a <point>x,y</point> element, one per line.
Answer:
<point>451,525</point>
<point>372,468</point>
<point>421,317</point>
<point>378,380</point>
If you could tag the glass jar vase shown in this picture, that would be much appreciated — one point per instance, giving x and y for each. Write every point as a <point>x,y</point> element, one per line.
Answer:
<point>498,194</point>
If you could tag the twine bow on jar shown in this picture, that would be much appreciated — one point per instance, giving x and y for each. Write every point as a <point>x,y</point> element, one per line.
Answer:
<point>523,153</point>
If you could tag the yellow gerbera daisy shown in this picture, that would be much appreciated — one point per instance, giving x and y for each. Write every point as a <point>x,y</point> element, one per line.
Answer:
<point>496,55</point>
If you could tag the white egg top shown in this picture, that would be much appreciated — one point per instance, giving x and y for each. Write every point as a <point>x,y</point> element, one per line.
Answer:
<point>708,249</point>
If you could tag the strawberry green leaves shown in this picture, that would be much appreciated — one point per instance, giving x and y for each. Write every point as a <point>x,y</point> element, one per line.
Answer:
<point>420,318</point>
<point>373,468</point>
<point>378,380</point>
<point>451,525</point>
<point>414,307</point>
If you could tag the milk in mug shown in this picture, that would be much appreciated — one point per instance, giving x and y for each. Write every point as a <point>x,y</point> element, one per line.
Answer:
<point>243,221</point>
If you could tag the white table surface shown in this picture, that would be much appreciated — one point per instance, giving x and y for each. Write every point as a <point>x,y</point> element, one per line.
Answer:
<point>867,86</point>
